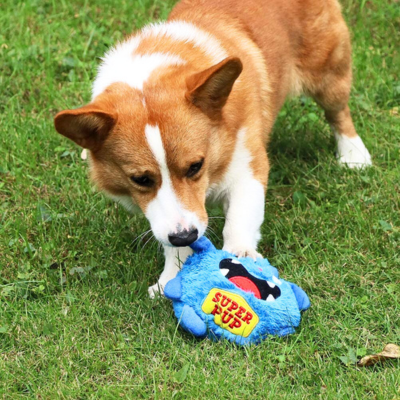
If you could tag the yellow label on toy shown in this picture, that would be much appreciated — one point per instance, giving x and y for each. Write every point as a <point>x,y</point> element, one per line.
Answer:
<point>230,311</point>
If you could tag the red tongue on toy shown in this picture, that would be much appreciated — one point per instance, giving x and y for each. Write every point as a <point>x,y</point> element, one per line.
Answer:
<point>246,284</point>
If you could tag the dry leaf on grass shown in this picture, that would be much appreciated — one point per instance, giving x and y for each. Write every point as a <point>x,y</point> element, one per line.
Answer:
<point>391,351</point>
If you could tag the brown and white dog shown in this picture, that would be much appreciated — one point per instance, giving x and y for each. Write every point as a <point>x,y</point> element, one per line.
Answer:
<point>181,112</point>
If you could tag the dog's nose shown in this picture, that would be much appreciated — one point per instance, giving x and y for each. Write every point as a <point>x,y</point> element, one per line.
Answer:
<point>183,238</point>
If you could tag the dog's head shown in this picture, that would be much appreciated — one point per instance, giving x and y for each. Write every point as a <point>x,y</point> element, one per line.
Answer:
<point>159,147</point>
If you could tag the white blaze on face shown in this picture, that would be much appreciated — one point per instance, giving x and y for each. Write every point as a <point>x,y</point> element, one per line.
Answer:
<point>165,212</point>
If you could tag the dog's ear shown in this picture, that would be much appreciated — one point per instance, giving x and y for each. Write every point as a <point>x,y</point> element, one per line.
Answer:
<point>209,89</point>
<point>87,126</point>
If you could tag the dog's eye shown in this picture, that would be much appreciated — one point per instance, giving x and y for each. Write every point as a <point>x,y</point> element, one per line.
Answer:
<point>143,180</point>
<point>194,169</point>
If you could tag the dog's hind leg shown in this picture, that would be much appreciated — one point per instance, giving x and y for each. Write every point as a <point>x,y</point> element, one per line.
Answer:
<point>324,67</point>
<point>333,98</point>
<point>351,150</point>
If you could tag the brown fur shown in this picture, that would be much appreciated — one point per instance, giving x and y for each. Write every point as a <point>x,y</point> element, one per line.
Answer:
<point>286,47</point>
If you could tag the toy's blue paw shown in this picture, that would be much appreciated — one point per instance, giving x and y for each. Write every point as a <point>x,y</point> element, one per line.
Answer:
<point>173,289</point>
<point>192,322</point>
<point>286,331</point>
<point>302,299</point>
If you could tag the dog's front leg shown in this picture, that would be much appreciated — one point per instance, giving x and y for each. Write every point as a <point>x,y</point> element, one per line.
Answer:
<point>244,212</point>
<point>174,258</point>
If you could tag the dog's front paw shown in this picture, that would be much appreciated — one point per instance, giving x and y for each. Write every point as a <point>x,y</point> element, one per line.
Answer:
<point>243,252</point>
<point>251,253</point>
<point>155,290</point>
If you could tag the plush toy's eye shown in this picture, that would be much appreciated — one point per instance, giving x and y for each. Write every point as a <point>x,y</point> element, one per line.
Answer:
<point>194,169</point>
<point>143,181</point>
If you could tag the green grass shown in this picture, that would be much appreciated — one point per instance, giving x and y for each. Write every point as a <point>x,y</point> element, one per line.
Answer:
<point>75,320</point>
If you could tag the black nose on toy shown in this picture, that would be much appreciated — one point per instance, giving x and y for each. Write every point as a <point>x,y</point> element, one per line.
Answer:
<point>183,238</point>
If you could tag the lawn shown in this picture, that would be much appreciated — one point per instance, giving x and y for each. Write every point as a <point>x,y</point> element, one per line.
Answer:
<point>75,319</point>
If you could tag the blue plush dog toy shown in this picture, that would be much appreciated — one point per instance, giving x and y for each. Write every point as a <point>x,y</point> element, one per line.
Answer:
<point>220,296</point>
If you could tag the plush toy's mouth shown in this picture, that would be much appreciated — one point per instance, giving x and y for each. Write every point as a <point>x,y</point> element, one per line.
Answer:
<point>236,273</point>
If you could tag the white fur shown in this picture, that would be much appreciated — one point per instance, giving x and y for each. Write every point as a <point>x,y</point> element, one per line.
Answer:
<point>154,140</point>
<point>352,151</point>
<point>122,65</point>
<point>174,258</point>
<point>276,280</point>
<point>244,203</point>
<point>188,33</point>
<point>165,212</point>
